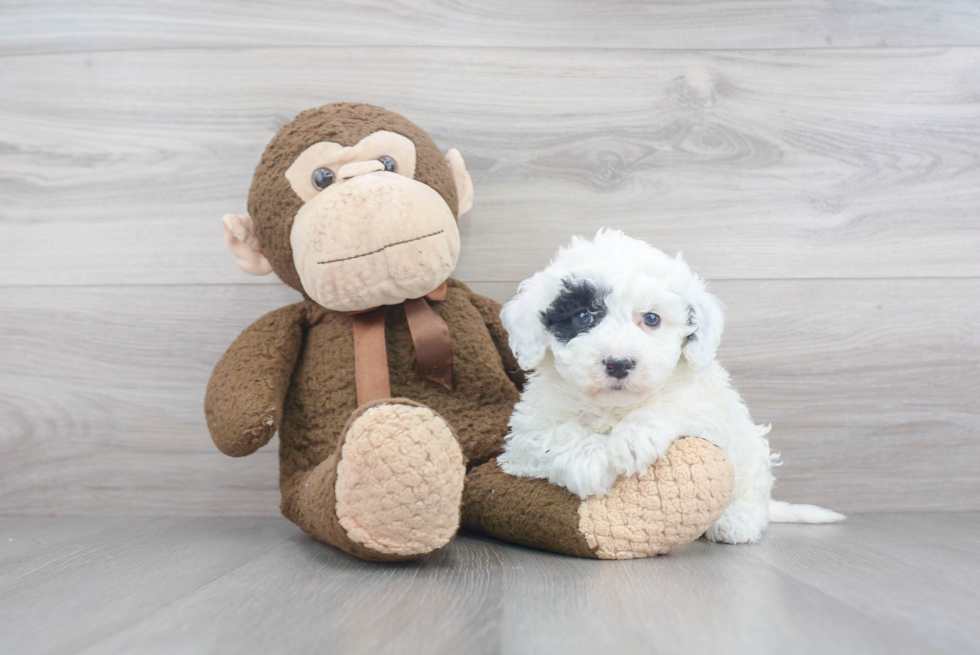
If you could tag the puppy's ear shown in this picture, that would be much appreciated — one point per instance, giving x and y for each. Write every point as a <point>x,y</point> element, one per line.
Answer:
<point>706,321</point>
<point>521,317</point>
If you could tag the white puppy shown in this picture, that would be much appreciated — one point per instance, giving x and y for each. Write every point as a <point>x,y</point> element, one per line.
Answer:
<point>622,339</point>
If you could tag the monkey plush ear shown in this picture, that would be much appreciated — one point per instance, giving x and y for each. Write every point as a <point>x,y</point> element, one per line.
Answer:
<point>240,240</point>
<point>464,185</point>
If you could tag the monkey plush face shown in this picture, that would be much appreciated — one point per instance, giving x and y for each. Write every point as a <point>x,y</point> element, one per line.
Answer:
<point>355,206</point>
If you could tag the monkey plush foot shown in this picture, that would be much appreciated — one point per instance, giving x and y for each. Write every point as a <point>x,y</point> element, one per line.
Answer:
<point>399,480</point>
<point>678,498</point>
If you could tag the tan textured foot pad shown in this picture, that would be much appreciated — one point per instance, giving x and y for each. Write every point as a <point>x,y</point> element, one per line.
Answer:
<point>672,505</point>
<point>400,481</point>
<point>678,499</point>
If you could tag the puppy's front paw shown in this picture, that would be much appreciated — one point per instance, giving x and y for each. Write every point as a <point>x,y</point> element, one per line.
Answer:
<point>639,440</point>
<point>585,470</point>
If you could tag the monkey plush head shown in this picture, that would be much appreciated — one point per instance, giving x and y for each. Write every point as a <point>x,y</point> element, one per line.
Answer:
<point>355,206</point>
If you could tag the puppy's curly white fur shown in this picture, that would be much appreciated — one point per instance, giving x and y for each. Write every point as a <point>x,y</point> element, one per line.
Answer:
<point>621,339</point>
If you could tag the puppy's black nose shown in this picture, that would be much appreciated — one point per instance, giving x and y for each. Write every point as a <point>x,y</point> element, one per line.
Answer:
<point>619,368</point>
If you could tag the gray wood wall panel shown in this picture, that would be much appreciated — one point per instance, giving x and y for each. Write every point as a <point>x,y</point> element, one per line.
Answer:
<point>869,385</point>
<point>786,164</point>
<point>63,25</point>
<point>818,161</point>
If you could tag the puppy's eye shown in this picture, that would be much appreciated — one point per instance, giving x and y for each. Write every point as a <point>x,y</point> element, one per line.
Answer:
<point>651,320</point>
<point>388,162</point>
<point>583,318</point>
<point>322,178</point>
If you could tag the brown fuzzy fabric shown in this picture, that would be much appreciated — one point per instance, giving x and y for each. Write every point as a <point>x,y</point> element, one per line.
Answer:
<point>523,511</point>
<point>244,400</point>
<point>272,203</point>
<point>679,498</point>
<point>294,370</point>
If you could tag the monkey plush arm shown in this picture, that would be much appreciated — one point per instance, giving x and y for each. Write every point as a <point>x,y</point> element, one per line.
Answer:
<point>490,311</point>
<point>244,399</point>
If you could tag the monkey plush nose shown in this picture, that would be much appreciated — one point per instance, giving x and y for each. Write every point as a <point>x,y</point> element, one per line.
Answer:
<point>619,368</point>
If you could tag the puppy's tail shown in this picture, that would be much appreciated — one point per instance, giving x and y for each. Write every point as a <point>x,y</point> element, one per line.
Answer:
<point>782,512</point>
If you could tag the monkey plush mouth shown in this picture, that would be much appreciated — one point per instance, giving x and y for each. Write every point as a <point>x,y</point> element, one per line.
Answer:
<point>390,245</point>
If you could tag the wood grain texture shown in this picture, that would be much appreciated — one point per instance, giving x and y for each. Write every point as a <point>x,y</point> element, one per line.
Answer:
<point>60,25</point>
<point>870,386</point>
<point>875,584</point>
<point>701,598</point>
<point>66,596</point>
<point>896,558</point>
<point>819,160</point>
<point>116,166</point>
<point>102,400</point>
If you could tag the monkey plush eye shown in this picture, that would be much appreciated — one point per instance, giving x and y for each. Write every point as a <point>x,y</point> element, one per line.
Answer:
<point>651,320</point>
<point>583,318</point>
<point>322,178</point>
<point>388,162</point>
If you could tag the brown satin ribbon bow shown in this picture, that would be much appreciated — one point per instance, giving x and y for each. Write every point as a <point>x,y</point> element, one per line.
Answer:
<point>430,335</point>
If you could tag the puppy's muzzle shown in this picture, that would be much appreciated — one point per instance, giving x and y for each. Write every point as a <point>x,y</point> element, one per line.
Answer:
<point>619,368</point>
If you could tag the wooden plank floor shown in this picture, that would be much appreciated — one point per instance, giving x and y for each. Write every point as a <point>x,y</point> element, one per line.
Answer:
<point>899,583</point>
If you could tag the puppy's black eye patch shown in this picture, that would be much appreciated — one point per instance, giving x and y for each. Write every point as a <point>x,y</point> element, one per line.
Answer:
<point>578,308</point>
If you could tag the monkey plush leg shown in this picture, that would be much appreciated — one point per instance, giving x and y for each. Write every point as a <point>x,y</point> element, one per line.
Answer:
<point>392,490</point>
<point>678,498</point>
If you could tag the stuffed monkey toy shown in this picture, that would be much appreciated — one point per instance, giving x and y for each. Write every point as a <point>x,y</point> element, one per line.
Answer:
<point>390,381</point>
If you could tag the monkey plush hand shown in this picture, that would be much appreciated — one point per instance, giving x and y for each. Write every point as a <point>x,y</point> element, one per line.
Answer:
<point>390,379</point>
